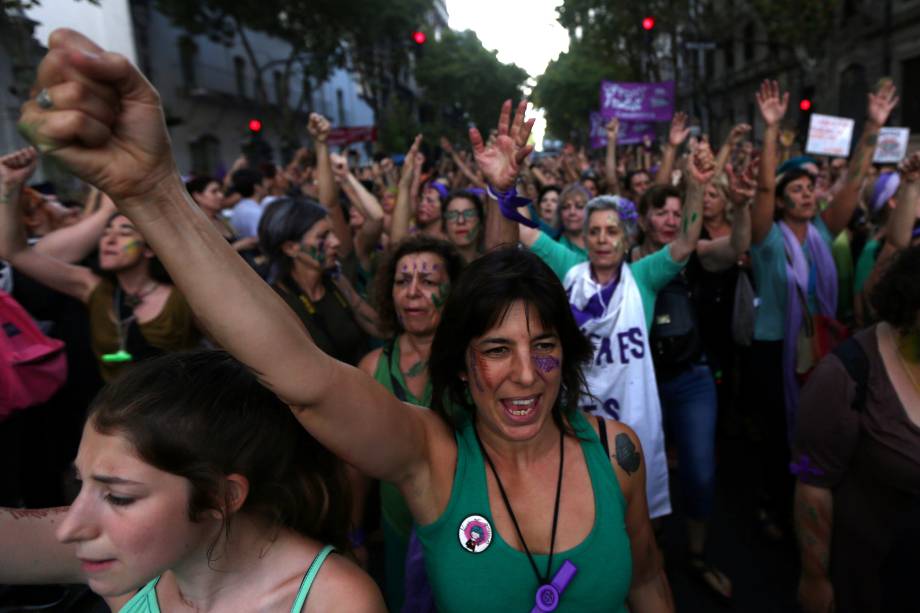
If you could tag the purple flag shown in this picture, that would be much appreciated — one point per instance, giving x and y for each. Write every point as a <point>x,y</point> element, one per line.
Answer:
<point>631,132</point>
<point>638,101</point>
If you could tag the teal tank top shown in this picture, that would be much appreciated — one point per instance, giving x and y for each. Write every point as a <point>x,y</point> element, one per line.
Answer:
<point>471,568</point>
<point>145,601</point>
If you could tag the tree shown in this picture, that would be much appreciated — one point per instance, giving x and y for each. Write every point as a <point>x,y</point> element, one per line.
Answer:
<point>569,90</point>
<point>463,83</point>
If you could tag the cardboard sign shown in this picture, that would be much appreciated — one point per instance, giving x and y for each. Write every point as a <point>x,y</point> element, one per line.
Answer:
<point>829,135</point>
<point>638,101</point>
<point>631,132</point>
<point>892,145</point>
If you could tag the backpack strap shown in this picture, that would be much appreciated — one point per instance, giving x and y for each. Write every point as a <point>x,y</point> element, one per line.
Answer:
<point>602,432</point>
<point>855,360</point>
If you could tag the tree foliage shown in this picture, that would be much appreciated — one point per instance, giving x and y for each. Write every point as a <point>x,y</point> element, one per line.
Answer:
<point>463,83</point>
<point>569,90</point>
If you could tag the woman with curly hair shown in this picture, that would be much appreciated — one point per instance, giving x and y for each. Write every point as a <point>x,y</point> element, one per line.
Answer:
<point>412,286</point>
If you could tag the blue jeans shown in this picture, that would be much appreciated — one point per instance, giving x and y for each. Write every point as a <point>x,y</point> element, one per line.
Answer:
<point>689,408</point>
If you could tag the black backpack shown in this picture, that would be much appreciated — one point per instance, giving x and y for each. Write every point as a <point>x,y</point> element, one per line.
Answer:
<point>675,335</point>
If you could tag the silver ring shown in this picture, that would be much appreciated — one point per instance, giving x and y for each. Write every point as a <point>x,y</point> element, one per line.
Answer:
<point>43,99</point>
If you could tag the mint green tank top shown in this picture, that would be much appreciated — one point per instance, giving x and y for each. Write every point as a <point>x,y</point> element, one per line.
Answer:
<point>472,568</point>
<point>145,601</point>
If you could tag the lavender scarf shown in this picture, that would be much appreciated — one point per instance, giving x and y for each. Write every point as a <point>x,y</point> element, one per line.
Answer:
<point>797,273</point>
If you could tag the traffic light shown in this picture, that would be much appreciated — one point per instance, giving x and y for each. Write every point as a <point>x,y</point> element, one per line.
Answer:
<point>255,126</point>
<point>419,37</point>
<point>805,104</point>
<point>648,24</point>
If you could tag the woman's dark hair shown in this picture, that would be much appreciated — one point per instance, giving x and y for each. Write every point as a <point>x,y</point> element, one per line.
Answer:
<point>480,300</point>
<point>199,184</point>
<point>286,219</point>
<point>202,415</point>
<point>386,274</point>
<point>896,297</point>
<point>545,190</point>
<point>655,197</point>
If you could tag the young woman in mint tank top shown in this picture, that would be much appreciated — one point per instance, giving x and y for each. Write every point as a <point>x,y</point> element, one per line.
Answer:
<point>507,351</point>
<point>199,493</point>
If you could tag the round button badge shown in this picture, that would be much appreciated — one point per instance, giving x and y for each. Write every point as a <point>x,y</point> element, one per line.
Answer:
<point>475,533</point>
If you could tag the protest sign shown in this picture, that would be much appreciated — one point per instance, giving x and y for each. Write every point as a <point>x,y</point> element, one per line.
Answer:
<point>638,101</point>
<point>892,145</point>
<point>631,132</point>
<point>829,135</point>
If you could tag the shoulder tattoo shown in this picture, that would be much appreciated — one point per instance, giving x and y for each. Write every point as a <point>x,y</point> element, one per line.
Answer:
<point>628,457</point>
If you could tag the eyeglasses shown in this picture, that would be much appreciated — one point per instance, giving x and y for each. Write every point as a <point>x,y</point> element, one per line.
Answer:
<point>468,215</point>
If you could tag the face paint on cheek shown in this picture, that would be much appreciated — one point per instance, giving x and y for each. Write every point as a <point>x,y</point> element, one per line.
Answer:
<point>439,298</point>
<point>474,366</point>
<point>132,247</point>
<point>545,364</point>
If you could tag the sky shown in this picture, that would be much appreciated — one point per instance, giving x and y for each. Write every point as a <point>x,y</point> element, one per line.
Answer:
<point>524,32</point>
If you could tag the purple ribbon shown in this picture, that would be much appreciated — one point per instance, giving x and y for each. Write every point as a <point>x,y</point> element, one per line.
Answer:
<point>804,467</point>
<point>509,202</point>
<point>594,308</point>
<point>548,596</point>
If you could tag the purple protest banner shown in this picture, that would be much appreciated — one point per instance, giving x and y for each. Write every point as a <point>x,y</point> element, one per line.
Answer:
<point>638,101</point>
<point>631,132</point>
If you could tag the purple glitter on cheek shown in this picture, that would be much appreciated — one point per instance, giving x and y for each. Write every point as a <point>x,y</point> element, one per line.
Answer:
<point>546,364</point>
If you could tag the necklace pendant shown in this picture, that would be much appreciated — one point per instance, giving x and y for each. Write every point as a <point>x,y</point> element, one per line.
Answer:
<point>548,595</point>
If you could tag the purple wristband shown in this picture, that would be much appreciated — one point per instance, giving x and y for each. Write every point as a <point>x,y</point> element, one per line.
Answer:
<point>509,202</point>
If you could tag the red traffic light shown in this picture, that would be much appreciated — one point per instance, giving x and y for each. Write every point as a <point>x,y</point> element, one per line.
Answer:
<point>255,125</point>
<point>648,23</point>
<point>805,104</point>
<point>419,38</point>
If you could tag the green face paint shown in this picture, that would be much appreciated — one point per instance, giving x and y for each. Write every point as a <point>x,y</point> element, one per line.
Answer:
<point>132,247</point>
<point>440,297</point>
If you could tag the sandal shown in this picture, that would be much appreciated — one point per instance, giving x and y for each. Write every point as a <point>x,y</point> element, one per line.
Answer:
<point>718,585</point>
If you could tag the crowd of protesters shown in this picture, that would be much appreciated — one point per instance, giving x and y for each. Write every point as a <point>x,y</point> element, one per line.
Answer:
<point>220,381</point>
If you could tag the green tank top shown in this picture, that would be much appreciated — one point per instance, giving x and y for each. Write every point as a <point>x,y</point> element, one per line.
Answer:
<point>471,568</point>
<point>145,601</point>
<point>393,506</point>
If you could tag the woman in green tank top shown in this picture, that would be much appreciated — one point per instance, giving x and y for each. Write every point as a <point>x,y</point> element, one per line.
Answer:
<point>507,352</point>
<point>412,287</point>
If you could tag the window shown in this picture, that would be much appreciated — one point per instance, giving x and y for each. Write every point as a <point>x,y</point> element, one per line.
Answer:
<point>729,54</point>
<point>239,70</point>
<point>340,105</point>
<point>749,43</point>
<point>205,152</point>
<point>280,98</point>
<point>910,98</point>
<point>188,52</point>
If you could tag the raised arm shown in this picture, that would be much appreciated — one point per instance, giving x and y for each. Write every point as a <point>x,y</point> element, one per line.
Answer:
<point>76,281</point>
<point>723,253</point>
<point>128,156</point>
<point>500,163</point>
<point>734,137</point>
<point>73,243</point>
<point>402,212</point>
<point>677,134</point>
<point>610,161</point>
<point>461,165</point>
<point>838,214</point>
<point>772,107</point>
<point>319,127</point>
<point>367,237</point>
<point>700,171</point>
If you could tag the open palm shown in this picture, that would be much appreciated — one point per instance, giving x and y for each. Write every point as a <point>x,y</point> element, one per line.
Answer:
<point>501,160</point>
<point>772,104</point>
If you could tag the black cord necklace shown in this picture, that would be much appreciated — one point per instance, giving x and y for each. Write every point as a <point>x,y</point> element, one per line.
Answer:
<point>541,579</point>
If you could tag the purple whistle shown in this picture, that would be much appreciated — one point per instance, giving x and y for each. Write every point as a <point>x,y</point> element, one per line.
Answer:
<point>547,596</point>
